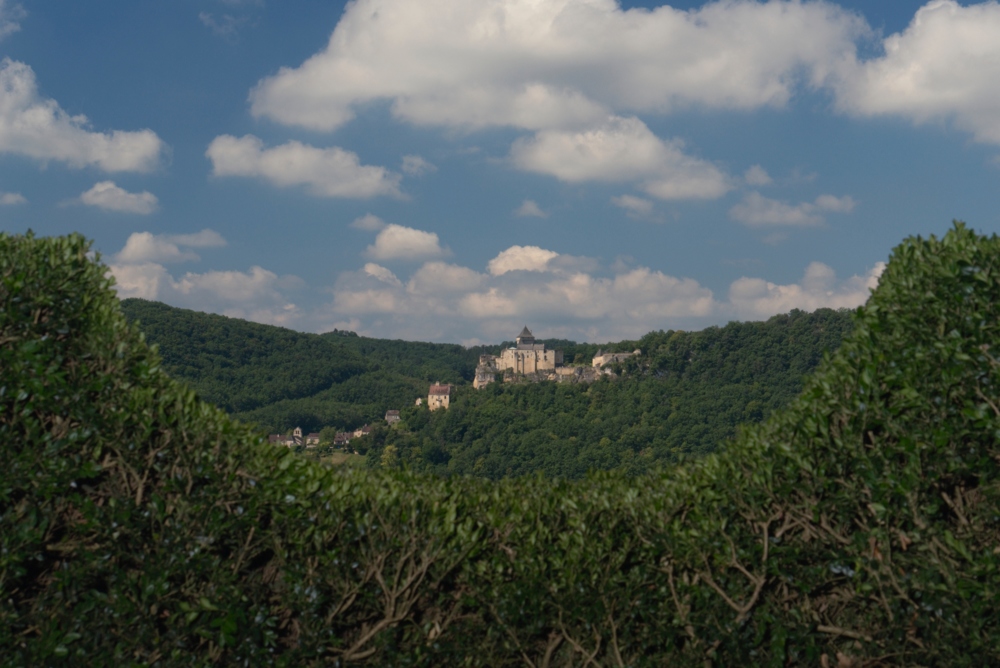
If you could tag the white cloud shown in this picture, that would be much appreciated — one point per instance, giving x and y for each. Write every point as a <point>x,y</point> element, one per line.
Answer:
<point>529,209</point>
<point>620,149</point>
<point>257,294</point>
<point>11,15</point>
<point>757,298</point>
<point>634,206</point>
<point>414,165</point>
<point>757,176</point>
<point>945,65</point>
<point>521,258</point>
<point>543,65</point>
<point>834,204</point>
<point>10,199</point>
<point>381,273</point>
<point>38,128</point>
<point>758,211</point>
<point>368,222</point>
<point>561,69</point>
<point>396,242</point>
<point>108,196</point>
<point>326,172</point>
<point>436,278</point>
<point>142,247</point>
<point>557,295</point>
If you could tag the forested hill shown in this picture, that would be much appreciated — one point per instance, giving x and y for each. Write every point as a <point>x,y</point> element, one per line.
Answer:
<point>687,393</point>
<point>281,378</point>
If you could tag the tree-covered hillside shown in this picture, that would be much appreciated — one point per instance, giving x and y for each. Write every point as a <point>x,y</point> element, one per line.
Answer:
<point>857,527</point>
<point>282,379</point>
<point>687,393</point>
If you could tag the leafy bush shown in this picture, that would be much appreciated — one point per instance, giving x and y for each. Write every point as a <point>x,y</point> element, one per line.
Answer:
<point>858,527</point>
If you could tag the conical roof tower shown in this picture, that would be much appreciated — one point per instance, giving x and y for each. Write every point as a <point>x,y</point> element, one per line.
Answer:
<point>525,337</point>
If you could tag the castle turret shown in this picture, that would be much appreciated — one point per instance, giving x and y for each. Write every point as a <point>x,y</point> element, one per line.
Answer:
<point>525,338</point>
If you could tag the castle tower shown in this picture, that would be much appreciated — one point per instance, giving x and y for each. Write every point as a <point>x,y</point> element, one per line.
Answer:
<point>525,338</point>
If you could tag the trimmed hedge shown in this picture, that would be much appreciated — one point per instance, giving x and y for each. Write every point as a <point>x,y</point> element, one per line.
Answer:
<point>141,526</point>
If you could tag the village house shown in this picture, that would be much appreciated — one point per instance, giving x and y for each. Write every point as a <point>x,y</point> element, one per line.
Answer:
<point>439,396</point>
<point>392,417</point>
<point>294,439</point>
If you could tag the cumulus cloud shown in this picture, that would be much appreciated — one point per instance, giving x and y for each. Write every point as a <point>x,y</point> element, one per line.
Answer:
<point>441,299</point>
<point>561,69</point>
<point>521,258</point>
<point>757,298</point>
<point>256,294</point>
<point>945,65</point>
<point>757,176</point>
<point>325,172</point>
<point>368,222</point>
<point>108,196</point>
<point>396,242</point>
<point>381,273</point>
<point>522,283</point>
<point>634,206</point>
<point>414,165</point>
<point>144,247</point>
<point>758,211</point>
<point>558,295</point>
<point>38,128</point>
<point>11,15</point>
<point>529,209</point>
<point>10,199</point>
<point>538,65</point>
<point>621,149</point>
<point>436,278</point>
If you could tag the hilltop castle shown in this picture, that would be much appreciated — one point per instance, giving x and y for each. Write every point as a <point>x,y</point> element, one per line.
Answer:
<point>534,361</point>
<point>524,357</point>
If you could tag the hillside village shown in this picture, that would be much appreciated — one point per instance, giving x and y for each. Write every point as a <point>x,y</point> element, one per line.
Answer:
<point>525,361</point>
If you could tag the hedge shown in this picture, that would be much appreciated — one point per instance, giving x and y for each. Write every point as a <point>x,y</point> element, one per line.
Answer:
<point>142,526</point>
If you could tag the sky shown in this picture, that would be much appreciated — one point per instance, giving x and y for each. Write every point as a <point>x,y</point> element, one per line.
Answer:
<point>452,170</point>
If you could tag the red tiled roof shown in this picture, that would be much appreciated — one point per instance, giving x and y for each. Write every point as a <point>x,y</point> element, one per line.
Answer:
<point>440,389</point>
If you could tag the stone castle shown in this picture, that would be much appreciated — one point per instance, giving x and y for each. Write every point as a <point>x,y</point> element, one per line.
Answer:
<point>534,361</point>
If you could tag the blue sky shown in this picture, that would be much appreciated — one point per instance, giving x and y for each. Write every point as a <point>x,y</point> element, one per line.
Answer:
<point>451,170</point>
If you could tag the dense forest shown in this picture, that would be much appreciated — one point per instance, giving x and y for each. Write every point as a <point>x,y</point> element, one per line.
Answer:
<point>687,392</point>
<point>281,379</point>
<point>857,526</point>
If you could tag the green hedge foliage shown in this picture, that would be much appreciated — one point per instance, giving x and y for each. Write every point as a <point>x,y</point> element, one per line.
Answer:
<point>140,526</point>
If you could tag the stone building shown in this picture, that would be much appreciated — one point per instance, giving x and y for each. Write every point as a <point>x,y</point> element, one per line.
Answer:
<point>526,356</point>
<point>439,396</point>
<point>602,359</point>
